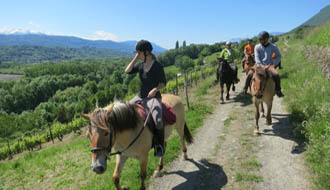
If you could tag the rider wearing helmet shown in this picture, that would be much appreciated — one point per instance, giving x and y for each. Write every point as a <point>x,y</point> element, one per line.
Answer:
<point>229,55</point>
<point>248,50</point>
<point>263,55</point>
<point>153,79</point>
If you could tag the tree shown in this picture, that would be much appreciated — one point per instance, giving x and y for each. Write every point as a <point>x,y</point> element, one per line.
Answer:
<point>176,46</point>
<point>184,63</point>
<point>184,44</point>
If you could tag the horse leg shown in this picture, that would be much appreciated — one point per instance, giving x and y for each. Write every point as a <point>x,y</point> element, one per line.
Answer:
<point>256,106</point>
<point>262,110</point>
<point>120,161</point>
<point>228,89</point>
<point>269,113</point>
<point>158,171</point>
<point>143,171</point>
<point>221,93</point>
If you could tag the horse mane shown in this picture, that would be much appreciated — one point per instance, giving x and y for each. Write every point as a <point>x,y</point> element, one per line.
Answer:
<point>123,116</point>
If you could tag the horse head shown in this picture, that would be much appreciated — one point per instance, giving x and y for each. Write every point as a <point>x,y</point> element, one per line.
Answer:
<point>101,137</point>
<point>260,78</point>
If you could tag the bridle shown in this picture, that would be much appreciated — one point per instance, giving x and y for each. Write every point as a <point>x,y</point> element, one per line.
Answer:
<point>108,149</point>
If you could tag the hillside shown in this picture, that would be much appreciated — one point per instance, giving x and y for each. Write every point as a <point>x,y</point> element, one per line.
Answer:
<point>68,41</point>
<point>39,54</point>
<point>318,19</point>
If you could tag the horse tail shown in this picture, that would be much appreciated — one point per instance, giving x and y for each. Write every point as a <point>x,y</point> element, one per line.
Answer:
<point>187,135</point>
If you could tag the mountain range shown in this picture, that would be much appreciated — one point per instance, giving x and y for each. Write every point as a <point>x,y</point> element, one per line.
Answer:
<point>39,39</point>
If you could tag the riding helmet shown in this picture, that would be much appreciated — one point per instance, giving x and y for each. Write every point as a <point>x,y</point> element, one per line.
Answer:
<point>143,45</point>
<point>263,35</point>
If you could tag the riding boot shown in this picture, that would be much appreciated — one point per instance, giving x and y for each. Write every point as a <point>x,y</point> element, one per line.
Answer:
<point>247,83</point>
<point>217,80</point>
<point>159,142</point>
<point>277,81</point>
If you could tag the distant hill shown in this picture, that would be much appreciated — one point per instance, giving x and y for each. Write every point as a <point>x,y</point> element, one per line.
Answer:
<point>39,54</point>
<point>68,41</point>
<point>318,19</point>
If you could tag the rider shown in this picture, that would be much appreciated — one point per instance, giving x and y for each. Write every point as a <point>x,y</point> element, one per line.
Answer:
<point>272,40</point>
<point>153,79</point>
<point>229,54</point>
<point>263,56</point>
<point>248,50</point>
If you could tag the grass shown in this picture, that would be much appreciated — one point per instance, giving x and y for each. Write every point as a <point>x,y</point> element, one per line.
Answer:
<point>239,177</point>
<point>67,165</point>
<point>307,98</point>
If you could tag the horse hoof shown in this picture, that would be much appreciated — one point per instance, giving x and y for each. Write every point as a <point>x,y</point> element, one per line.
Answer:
<point>256,131</point>
<point>222,102</point>
<point>185,157</point>
<point>269,123</point>
<point>263,115</point>
<point>227,98</point>
<point>157,174</point>
<point>124,188</point>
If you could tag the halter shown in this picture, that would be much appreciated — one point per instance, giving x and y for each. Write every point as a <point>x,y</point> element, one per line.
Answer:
<point>108,149</point>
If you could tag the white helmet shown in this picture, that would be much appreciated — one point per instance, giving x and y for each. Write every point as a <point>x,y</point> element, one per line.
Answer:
<point>228,43</point>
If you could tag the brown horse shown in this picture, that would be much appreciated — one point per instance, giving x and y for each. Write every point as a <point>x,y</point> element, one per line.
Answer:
<point>263,90</point>
<point>249,62</point>
<point>120,126</point>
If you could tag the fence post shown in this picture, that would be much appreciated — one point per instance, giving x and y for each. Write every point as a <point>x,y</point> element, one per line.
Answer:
<point>176,84</point>
<point>186,89</point>
<point>9,151</point>
<point>51,134</point>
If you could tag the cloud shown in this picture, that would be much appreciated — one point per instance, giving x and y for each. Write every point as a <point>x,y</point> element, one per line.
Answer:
<point>102,35</point>
<point>34,24</point>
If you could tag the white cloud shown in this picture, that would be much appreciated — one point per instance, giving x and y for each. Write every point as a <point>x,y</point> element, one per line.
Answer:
<point>34,24</point>
<point>102,35</point>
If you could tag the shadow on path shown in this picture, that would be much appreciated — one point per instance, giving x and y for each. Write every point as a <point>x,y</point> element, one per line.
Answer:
<point>208,176</point>
<point>282,128</point>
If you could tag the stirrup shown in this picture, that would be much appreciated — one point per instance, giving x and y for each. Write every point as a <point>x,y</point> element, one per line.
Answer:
<point>279,93</point>
<point>159,151</point>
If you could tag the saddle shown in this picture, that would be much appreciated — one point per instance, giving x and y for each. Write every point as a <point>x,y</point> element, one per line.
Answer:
<point>169,116</point>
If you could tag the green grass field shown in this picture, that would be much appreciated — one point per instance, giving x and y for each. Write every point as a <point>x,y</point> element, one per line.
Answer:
<point>67,165</point>
<point>308,100</point>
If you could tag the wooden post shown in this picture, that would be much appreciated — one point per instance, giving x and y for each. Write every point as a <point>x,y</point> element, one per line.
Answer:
<point>51,134</point>
<point>176,84</point>
<point>186,89</point>
<point>9,152</point>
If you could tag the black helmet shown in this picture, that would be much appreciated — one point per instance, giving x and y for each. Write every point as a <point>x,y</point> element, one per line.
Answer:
<point>143,45</point>
<point>263,35</point>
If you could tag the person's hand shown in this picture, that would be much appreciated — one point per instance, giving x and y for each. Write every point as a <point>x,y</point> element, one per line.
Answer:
<point>152,93</point>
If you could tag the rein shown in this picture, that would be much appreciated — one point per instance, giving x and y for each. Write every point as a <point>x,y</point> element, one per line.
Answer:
<point>96,149</point>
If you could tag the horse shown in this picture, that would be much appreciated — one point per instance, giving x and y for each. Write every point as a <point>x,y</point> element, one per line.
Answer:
<point>227,76</point>
<point>121,126</point>
<point>262,90</point>
<point>249,62</point>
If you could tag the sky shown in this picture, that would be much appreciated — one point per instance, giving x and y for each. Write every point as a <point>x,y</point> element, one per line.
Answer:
<point>162,22</point>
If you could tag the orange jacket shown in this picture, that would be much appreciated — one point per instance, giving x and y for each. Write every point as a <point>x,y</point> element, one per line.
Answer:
<point>249,48</point>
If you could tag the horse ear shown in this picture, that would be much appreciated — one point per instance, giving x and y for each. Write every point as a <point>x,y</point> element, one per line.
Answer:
<point>86,116</point>
<point>109,110</point>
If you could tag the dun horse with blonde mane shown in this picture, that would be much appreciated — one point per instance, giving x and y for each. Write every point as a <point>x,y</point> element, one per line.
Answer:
<point>121,127</point>
<point>263,90</point>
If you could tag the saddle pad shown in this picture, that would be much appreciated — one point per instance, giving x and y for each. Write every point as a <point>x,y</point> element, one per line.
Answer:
<point>169,116</point>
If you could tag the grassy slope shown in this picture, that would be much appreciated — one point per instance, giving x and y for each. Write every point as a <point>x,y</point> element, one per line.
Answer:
<point>66,166</point>
<point>308,99</point>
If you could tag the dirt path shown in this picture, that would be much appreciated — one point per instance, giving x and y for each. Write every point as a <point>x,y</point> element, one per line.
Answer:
<point>227,155</point>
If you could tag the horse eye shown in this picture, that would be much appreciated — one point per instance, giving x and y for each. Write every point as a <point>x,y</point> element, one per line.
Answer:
<point>106,134</point>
